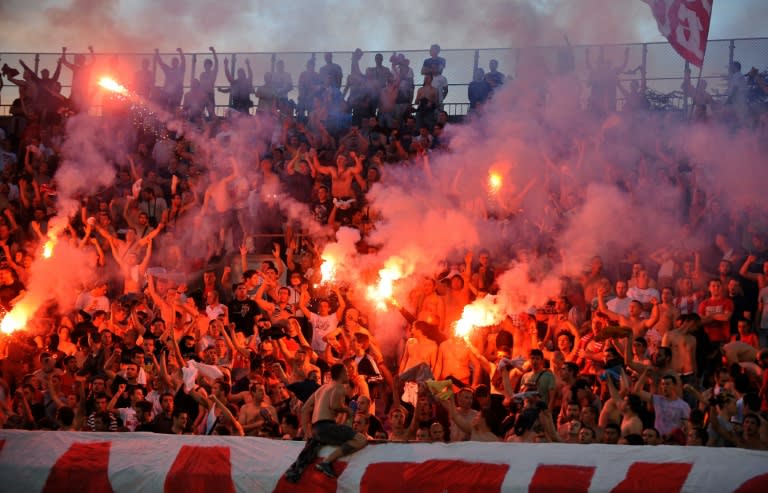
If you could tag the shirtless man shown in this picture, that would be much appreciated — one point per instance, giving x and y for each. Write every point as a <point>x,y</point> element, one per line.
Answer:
<point>319,416</point>
<point>682,343</point>
<point>256,413</point>
<point>638,325</point>
<point>418,349</point>
<point>668,313</point>
<point>453,360</point>
<point>342,176</point>
<point>457,296</point>
<point>132,271</point>
<point>431,303</point>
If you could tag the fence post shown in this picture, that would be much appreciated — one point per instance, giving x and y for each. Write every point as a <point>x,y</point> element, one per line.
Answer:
<point>37,62</point>
<point>476,65</point>
<point>154,69</point>
<point>731,51</point>
<point>644,69</point>
<point>686,69</point>
<point>233,71</point>
<point>194,67</point>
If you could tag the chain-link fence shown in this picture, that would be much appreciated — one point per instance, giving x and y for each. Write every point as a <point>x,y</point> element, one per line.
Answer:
<point>656,65</point>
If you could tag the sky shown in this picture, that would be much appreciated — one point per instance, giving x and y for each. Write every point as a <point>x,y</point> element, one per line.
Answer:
<point>320,25</point>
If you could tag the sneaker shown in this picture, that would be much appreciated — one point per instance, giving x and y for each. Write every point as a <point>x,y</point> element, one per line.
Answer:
<point>325,468</point>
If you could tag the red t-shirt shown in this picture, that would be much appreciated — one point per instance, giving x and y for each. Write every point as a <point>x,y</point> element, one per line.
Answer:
<point>717,331</point>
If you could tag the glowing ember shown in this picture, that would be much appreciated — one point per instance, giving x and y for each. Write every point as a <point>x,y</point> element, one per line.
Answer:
<point>111,84</point>
<point>494,181</point>
<point>481,313</point>
<point>382,292</point>
<point>13,321</point>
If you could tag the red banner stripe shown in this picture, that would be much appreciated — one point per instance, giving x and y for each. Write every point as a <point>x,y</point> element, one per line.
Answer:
<point>659,478</point>
<point>312,480</point>
<point>433,476</point>
<point>200,470</point>
<point>561,479</point>
<point>84,468</point>
<point>758,484</point>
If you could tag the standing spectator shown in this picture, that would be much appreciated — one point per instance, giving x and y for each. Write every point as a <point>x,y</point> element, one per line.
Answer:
<point>173,88</point>
<point>331,72</point>
<point>81,78</point>
<point>208,82</point>
<point>716,312</point>
<point>494,78</point>
<point>435,64</point>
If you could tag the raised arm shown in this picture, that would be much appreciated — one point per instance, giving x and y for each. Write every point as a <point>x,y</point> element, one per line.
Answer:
<point>342,304</point>
<point>160,61</point>
<point>744,270</point>
<point>64,61</point>
<point>182,60</point>
<point>227,73</point>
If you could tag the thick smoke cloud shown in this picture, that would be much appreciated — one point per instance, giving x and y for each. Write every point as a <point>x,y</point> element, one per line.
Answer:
<point>245,25</point>
<point>431,214</point>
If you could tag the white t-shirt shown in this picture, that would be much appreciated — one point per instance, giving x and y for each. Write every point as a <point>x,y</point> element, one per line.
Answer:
<point>669,414</point>
<point>619,305</point>
<point>322,326</point>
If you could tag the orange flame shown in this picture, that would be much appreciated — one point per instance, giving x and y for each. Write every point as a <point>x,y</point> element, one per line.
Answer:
<point>111,84</point>
<point>13,321</point>
<point>495,181</point>
<point>328,268</point>
<point>481,313</point>
<point>382,292</point>
<point>48,249</point>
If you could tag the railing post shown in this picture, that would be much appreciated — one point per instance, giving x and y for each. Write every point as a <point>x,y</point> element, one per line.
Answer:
<point>154,69</point>
<point>233,71</point>
<point>272,61</point>
<point>644,69</point>
<point>686,69</point>
<point>475,66</point>
<point>194,67</point>
<point>37,62</point>
<point>731,52</point>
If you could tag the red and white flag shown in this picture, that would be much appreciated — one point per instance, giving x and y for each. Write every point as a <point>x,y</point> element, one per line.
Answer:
<point>685,24</point>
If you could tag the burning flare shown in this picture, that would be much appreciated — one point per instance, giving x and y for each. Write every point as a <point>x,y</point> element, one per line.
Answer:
<point>328,268</point>
<point>48,249</point>
<point>481,313</point>
<point>495,181</point>
<point>13,321</point>
<point>382,292</point>
<point>111,84</point>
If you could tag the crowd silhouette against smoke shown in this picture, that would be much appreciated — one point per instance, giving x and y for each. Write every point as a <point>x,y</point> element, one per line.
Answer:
<point>553,267</point>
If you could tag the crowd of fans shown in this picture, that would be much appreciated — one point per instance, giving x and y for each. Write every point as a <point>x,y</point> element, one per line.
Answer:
<point>663,346</point>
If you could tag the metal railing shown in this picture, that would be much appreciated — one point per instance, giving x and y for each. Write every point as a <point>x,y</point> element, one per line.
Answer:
<point>654,64</point>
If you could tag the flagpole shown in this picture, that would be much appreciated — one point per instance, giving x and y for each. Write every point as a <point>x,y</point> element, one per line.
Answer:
<point>695,92</point>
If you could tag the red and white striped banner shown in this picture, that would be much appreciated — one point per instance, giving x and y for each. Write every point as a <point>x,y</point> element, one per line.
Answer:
<point>685,24</point>
<point>58,462</point>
